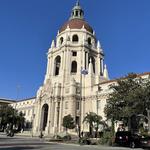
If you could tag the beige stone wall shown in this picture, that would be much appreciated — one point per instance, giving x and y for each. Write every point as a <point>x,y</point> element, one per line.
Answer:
<point>25,106</point>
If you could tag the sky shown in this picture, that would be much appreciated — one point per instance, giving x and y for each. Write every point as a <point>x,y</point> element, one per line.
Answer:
<point>27,28</point>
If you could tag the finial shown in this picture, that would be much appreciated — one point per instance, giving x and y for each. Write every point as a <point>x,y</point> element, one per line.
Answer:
<point>77,3</point>
<point>58,32</point>
<point>90,67</point>
<point>68,26</point>
<point>53,44</point>
<point>83,27</point>
<point>98,44</point>
<point>106,72</point>
<point>94,33</point>
<point>90,60</point>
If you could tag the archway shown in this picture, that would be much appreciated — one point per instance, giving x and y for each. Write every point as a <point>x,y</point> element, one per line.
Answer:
<point>44,116</point>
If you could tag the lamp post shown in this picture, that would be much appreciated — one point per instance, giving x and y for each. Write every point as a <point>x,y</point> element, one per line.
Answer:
<point>83,72</point>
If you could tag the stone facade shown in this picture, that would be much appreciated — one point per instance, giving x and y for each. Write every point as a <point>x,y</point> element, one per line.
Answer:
<point>76,80</point>
<point>75,68</point>
<point>4,101</point>
<point>26,106</point>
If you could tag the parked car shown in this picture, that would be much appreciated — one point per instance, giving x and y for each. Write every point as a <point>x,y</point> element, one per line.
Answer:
<point>126,138</point>
<point>145,142</point>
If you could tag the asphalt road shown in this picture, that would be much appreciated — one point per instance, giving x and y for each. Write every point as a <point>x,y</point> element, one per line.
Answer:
<point>28,143</point>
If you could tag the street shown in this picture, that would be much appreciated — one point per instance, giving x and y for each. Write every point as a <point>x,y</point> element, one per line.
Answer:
<point>29,143</point>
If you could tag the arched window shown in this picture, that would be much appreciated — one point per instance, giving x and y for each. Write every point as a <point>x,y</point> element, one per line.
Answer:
<point>75,38</point>
<point>89,41</point>
<point>57,65</point>
<point>61,40</point>
<point>74,67</point>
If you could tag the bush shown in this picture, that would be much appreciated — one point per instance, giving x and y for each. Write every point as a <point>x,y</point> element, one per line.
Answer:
<point>57,137</point>
<point>66,138</point>
<point>107,138</point>
<point>62,138</point>
<point>85,140</point>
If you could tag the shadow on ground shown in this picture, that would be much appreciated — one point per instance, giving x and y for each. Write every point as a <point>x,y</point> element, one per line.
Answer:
<point>18,148</point>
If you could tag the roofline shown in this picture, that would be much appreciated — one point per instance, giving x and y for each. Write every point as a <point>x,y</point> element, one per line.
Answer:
<point>26,99</point>
<point>7,100</point>
<point>114,80</point>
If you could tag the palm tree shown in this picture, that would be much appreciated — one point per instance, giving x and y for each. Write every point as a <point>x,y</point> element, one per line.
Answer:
<point>90,118</point>
<point>99,121</point>
<point>93,119</point>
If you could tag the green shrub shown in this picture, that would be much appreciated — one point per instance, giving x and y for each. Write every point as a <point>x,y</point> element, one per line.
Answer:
<point>85,140</point>
<point>67,138</point>
<point>57,137</point>
<point>107,138</point>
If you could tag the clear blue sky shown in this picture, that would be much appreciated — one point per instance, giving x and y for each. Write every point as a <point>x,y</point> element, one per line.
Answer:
<point>27,28</point>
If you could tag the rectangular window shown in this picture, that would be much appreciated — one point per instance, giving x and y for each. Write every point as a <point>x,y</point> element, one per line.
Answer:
<point>78,105</point>
<point>66,105</point>
<point>74,53</point>
<point>99,104</point>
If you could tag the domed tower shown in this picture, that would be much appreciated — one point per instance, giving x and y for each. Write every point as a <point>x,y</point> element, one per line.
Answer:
<point>75,45</point>
<point>75,66</point>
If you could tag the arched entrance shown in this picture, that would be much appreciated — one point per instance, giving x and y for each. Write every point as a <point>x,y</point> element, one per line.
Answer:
<point>44,116</point>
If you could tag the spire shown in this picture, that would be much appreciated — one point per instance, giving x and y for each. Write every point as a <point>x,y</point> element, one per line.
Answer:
<point>77,11</point>
<point>106,72</point>
<point>98,45</point>
<point>77,3</point>
<point>53,44</point>
<point>90,67</point>
<point>99,48</point>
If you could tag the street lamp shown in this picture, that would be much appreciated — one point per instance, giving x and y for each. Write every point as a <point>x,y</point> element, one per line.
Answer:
<point>83,72</point>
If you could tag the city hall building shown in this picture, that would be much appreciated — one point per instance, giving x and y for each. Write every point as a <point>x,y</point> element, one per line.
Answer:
<point>76,80</point>
<point>75,68</point>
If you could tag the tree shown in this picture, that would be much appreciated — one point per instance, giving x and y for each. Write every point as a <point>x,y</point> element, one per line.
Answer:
<point>128,98</point>
<point>90,118</point>
<point>68,122</point>
<point>98,122</point>
<point>10,116</point>
<point>93,120</point>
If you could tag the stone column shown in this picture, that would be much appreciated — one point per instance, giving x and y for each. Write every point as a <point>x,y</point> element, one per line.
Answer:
<point>38,118</point>
<point>60,114</point>
<point>102,65</point>
<point>55,118</point>
<point>87,61</point>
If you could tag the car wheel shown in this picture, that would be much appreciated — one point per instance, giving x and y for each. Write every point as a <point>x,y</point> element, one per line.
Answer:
<point>132,145</point>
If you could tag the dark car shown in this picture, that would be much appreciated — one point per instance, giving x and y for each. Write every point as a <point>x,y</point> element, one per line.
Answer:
<point>127,138</point>
<point>145,142</point>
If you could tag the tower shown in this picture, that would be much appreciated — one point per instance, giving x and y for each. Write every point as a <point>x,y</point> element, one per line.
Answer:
<point>65,88</point>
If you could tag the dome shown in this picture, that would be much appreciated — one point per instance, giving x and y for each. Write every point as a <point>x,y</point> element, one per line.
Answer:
<point>76,24</point>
